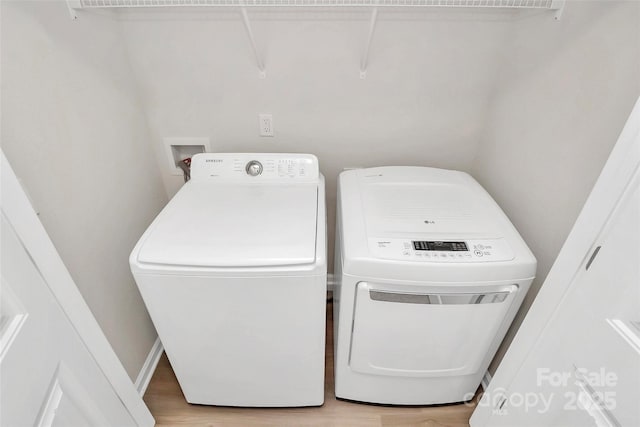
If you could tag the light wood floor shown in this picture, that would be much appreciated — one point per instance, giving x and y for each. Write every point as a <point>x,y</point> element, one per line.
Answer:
<point>167,404</point>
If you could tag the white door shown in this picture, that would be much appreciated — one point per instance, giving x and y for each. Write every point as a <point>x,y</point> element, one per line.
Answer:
<point>585,370</point>
<point>575,360</point>
<point>56,367</point>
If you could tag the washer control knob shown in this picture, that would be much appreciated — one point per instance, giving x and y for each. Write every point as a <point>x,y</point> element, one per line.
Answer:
<point>253,168</point>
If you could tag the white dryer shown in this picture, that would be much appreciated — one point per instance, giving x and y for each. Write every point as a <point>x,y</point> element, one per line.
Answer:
<point>430,273</point>
<point>233,273</point>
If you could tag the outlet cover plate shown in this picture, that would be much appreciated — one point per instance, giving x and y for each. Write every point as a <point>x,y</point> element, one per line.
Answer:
<point>265,122</point>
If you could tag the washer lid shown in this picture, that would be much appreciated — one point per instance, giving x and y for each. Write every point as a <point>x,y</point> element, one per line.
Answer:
<point>233,225</point>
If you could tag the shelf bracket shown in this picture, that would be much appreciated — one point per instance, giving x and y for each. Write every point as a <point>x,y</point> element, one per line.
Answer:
<point>558,6</point>
<point>247,25</point>
<point>365,57</point>
<point>73,6</point>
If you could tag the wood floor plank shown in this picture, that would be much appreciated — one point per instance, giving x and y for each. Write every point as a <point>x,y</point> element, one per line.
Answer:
<point>167,404</point>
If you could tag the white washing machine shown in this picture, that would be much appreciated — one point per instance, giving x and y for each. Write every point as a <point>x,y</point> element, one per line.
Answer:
<point>233,273</point>
<point>430,273</point>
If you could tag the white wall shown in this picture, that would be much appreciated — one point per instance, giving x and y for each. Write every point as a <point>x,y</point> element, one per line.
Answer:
<point>423,102</point>
<point>565,91</point>
<point>74,131</point>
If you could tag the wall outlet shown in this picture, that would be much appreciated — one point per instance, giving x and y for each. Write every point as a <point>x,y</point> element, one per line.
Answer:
<point>265,124</point>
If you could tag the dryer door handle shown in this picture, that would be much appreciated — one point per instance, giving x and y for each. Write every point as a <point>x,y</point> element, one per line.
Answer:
<point>440,298</point>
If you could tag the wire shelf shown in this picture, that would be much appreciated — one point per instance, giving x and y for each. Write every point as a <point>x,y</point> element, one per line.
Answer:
<point>512,4</point>
<point>554,5</point>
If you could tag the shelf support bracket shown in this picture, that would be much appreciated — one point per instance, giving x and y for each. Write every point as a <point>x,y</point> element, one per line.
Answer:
<point>367,48</point>
<point>558,6</point>
<point>73,6</point>
<point>247,26</point>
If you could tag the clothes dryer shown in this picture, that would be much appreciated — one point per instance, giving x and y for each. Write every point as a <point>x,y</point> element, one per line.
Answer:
<point>430,273</point>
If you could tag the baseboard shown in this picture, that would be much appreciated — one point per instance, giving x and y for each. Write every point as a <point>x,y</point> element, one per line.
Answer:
<point>486,380</point>
<point>331,282</point>
<point>149,367</point>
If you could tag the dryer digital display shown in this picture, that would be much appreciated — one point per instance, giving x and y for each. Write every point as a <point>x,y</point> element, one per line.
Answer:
<point>439,246</point>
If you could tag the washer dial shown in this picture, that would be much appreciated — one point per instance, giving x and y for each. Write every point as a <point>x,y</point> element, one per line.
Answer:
<point>253,168</point>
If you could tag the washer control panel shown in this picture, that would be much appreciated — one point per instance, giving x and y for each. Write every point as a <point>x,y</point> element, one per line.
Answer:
<point>456,251</point>
<point>255,167</point>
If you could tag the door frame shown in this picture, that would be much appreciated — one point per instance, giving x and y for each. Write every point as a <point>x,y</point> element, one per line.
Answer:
<point>24,220</point>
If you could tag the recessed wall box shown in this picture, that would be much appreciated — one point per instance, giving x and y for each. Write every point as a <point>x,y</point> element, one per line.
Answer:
<point>180,148</point>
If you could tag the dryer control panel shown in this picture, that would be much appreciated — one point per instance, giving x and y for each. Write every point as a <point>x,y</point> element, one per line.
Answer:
<point>255,167</point>
<point>456,251</point>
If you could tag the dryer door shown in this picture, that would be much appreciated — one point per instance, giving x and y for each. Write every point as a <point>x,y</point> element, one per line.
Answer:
<point>423,333</point>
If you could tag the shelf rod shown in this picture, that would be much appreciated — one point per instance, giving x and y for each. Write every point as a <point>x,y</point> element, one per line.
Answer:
<point>247,26</point>
<point>365,57</point>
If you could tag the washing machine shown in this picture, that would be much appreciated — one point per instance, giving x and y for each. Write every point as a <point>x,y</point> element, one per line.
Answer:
<point>429,275</point>
<point>233,274</point>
